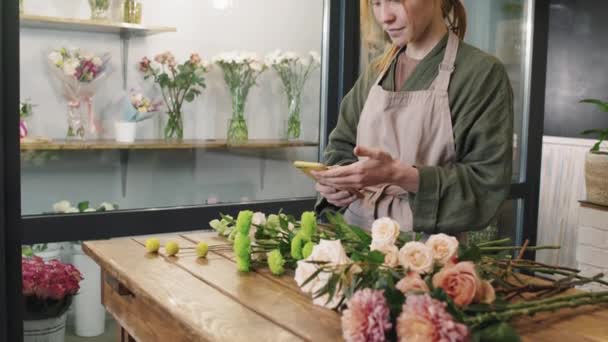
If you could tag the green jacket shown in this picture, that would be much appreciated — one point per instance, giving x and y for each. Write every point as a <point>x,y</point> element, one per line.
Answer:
<point>467,195</point>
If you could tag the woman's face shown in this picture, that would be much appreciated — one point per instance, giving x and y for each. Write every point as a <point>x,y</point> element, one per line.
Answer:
<point>404,20</point>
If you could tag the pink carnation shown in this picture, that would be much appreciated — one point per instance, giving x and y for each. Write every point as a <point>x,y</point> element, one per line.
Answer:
<point>367,317</point>
<point>49,280</point>
<point>425,319</point>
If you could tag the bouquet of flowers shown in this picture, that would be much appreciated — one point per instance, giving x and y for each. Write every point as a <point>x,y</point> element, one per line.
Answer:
<point>389,285</point>
<point>294,71</point>
<point>138,107</point>
<point>48,287</point>
<point>25,110</point>
<point>80,74</point>
<point>241,70</point>
<point>178,83</point>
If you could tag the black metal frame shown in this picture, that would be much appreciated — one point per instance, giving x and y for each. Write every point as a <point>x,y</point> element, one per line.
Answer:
<point>10,210</point>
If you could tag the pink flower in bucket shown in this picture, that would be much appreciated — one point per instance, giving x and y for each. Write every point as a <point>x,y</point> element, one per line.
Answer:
<point>22,129</point>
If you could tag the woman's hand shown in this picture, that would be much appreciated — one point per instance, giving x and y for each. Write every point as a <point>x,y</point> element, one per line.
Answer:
<point>377,168</point>
<point>339,198</point>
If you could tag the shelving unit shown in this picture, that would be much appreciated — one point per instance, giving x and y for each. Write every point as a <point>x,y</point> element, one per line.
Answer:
<point>85,25</point>
<point>65,145</point>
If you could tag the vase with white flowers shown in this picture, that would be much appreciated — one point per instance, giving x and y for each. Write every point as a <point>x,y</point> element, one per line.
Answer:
<point>241,70</point>
<point>178,83</point>
<point>294,71</point>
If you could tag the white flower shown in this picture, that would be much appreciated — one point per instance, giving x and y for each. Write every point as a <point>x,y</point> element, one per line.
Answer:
<point>205,64</point>
<point>316,58</point>
<point>257,66</point>
<point>417,257</point>
<point>385,232</point>
<point>274,57</point>
<point>62,206</point>
<point>290,56</point>
<point>290,226</point>
<point>331,252</point>
<point>56,58</point>
<point>89,210</point>
<point>107,206</point>
<point>72,210</point>
<point>70,66</point>
<point>87,55</point>
<point>97,61</point>
<point>443,246</point>
<point>391,254</point>
<point>258,219</point>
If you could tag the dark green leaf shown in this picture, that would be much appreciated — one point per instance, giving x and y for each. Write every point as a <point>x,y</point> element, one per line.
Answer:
<point>313,276</point>
<point>591,131</point>
<point>190,96</point>
<point>375,257</point>
<point>83,205</point>
<point>603,106</point>
<point>498,332</point>
<point>472,253</point>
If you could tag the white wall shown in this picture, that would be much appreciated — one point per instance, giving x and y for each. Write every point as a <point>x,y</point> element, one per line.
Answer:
<point>174,178</point>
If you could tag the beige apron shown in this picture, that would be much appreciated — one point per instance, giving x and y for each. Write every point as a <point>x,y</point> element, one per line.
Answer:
<point>414,127</point>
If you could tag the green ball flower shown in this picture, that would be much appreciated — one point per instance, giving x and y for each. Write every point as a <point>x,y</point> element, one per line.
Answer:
<point>276,262</point>
<point>309,225</point>
<point>273,222</point>
<point>171,248</point>
<point>242,264</point>
<point>243,222</point>
<point>201,249</point>
<point>152,245</point>
<point>307,250</point>
<point>296,247</point>
<point>241,245</point>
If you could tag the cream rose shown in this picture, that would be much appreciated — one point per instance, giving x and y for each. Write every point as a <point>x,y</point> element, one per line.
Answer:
<point>61,207</point>
<point>416,257</point>
<point>460,282</point>
<point>412,282</point>
<point>391,255</point>
<point>385,232</point>
<point>444,247</point>
<point>258,219</point>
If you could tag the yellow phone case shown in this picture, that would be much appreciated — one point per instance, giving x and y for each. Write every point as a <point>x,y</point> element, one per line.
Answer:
<point>306,167</point>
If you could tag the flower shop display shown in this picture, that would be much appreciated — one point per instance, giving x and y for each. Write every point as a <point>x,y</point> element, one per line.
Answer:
<point>65,207</point>
<point>241,70</point>
<point>294,71</point>
<point>100,9</point>
<point>48,289</point>
<point>395,286</point>
<point>80,74</point>
<point>178,83</point>
<point>25,111</point>
<point>596,162</point>
<point>132,11</point>
<point>136,107</point>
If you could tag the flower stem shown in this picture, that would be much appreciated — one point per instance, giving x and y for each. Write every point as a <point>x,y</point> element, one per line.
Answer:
<point>509,248</point>
<point>493,243</point>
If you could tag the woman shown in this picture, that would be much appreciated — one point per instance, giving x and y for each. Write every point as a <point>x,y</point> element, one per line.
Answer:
<point>435,156</point>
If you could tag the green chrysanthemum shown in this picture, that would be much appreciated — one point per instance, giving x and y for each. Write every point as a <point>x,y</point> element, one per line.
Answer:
<point>273,222</point>
<point>307,250</point>
<point>242,264</point>
<point>276,262</point>
<point>243,222</point>
<point>296,247</point>
<point>241,245</point>
<point>309,225</point>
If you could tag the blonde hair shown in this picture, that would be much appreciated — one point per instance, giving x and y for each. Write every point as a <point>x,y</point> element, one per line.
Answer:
<point>454,15</point>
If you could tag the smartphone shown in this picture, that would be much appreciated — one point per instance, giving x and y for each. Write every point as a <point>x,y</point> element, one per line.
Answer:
<point>306,167</point>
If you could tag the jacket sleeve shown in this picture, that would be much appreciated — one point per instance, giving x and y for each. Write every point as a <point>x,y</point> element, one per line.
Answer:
<point>467,195</point>
<point>343,138</point>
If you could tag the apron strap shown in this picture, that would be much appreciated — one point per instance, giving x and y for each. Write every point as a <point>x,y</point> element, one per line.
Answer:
<point>446,68</point>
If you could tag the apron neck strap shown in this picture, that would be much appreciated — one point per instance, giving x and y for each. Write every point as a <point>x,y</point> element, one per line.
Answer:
<point>446,67</point>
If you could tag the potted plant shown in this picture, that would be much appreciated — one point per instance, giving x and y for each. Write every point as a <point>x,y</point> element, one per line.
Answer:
<point>596,164</point>
<point>48,289</point>
<point>136,108</point>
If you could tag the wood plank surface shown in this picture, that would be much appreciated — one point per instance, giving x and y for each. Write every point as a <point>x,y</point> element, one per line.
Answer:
<point>202,312</point>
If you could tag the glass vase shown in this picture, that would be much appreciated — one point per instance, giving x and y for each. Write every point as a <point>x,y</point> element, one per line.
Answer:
<point>75,121</point>
<point>100,9</point>
<point>237,125</point>
<point>294,123</point>
<point>174,127</point>
<point>132,11</point>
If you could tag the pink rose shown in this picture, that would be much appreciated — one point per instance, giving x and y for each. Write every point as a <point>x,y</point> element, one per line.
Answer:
<point>195,59</point>
<point>460,282</point>
<point>144,65</point>
<point>412,282</point>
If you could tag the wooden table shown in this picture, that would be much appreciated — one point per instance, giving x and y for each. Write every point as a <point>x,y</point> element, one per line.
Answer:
<point>160,298</point>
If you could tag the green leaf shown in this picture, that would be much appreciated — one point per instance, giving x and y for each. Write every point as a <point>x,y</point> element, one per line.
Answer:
<point>312,276</point>
<point>190,96</point>
<point>591,131</point>
<point>375,257</point>
<point>498,332</point>
<point>472,253</point>
<point>82,206</point>
<point>603,106</point>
